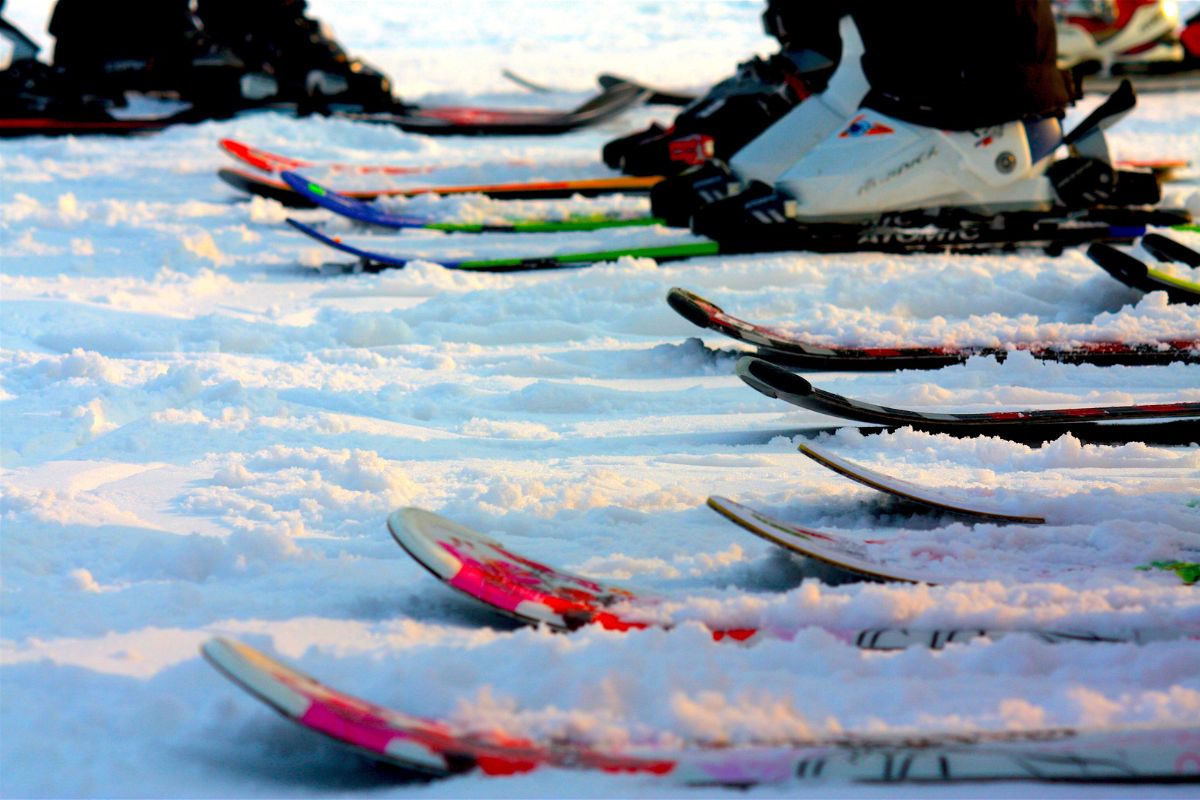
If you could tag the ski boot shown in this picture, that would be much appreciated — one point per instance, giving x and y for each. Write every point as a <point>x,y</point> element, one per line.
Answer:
<point>721,122</point>
<point>288,58</point>
<point>880,171</point>
<point>775,149</point>
<point>31,88</point>
<point>1118,36</point>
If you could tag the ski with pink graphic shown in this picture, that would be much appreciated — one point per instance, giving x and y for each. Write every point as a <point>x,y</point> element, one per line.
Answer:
<point>486,571</point>
<point>439,749</point>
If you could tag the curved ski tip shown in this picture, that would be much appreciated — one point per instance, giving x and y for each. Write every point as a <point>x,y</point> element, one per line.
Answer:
<point>1120,265</point>
<point>300,183</point>
<point>813,453</point>
<point>298,225</point>
<point>1168,250</point>
<point>770,379</point>
<point>689,306</point>
<point>421,533</point>
<point>216,648</point>
<point>720,505</point>
<point>233,177</point>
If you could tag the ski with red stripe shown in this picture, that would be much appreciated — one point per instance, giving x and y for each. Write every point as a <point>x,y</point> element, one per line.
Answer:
<point>783,348</point>
<point>774,381</point>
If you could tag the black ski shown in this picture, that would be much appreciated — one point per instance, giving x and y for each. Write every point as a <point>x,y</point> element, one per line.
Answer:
<point>781,348</point>
<point>1135,273</point>
<point>612,100</point>
<point>777,382</point>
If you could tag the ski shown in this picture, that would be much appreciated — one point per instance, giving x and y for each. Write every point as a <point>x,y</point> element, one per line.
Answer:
<point>657,97</point>
<point>1188,80</point>
<point>782,348</point>
<point>526,590</point>
<point>1165,249</point>
<point>437,749</point>
<point>372,261</point>
<point>774,381</point>
<point>272,189</point>
<point>372,214</point>
<point>1167,169</point>
<point>275,163</point>
<point>1137,274</point>
<point>822,239</point>
<point>451,120</point>
<point>271,163</point>
<point>851,556</point>
<point>942,499</point>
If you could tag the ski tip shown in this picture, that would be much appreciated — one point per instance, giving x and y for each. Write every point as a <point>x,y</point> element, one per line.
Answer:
<point>421,532</point>
<point>233,177</point>
<point>769,379</point>
<point>719,504</point>
<point>685,305</point>
<point>302,184</point>
<point>1120,265</point>
<point>1168,250</point>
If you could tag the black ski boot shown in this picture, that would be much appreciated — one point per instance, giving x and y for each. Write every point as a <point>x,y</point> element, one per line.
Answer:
<point>725,119</point>
<point>747,221</point>
<point>292,59</point>
<point>676,199</point>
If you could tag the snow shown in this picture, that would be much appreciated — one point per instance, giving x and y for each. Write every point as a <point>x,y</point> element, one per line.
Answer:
<point>204,427</point>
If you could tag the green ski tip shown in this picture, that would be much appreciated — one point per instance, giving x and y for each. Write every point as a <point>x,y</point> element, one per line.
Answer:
<point>1193,228</point>
<point>1188,572</point>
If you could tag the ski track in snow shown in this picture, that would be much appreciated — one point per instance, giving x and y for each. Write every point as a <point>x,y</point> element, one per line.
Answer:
<point>205,426</point>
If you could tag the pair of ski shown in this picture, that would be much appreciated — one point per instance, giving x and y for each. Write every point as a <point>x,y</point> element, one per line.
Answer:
<point>535,593</point>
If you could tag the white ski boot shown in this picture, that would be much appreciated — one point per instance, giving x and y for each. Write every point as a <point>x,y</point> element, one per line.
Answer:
<point>774,150</point>
<point>876,170</point>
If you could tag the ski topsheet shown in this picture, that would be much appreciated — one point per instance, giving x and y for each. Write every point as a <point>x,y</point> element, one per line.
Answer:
<point>372,214</point>
<point>777,382</point>
<point>484,569</point>
<point>782,348</point>
<point>1137,274</point>
<point>272,189</point>
<point>613,99</point>
<point>942,499</point>
<point>838,551</point>
<point>435,748</point>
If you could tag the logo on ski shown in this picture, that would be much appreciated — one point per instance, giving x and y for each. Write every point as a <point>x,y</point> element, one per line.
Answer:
<point>861,126</point>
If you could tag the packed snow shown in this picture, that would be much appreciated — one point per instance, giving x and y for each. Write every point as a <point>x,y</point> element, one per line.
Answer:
<point>206,420</point>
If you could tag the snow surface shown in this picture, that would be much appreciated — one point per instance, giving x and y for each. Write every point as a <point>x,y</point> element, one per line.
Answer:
<point>204,427</point>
